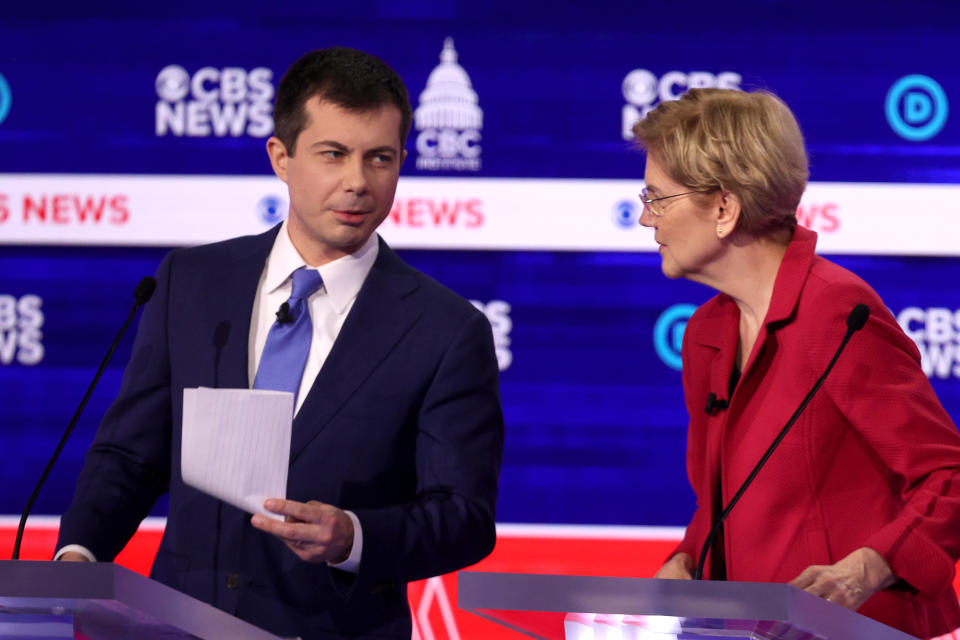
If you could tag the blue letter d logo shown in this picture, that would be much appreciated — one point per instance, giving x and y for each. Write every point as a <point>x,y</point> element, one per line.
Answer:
<point>668,333</point>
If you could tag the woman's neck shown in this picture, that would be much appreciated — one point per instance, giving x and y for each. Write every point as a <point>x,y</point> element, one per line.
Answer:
<point>746,272</point>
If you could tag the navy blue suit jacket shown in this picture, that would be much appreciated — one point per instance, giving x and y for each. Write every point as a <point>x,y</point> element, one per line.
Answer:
<point>403,426</point>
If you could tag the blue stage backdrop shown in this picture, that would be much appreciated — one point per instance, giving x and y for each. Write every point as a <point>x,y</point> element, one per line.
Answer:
<point>588,340</point>
<point>133,90</point>
<point>596,424</point>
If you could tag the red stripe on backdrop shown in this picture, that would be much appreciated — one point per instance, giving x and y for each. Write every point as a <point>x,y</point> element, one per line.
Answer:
<point>600,551</point>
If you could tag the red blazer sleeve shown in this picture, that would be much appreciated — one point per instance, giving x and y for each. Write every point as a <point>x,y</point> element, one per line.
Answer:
<point>880,388</point>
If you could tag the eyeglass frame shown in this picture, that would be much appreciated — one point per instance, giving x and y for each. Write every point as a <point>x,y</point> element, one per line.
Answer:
<point>649,201</point>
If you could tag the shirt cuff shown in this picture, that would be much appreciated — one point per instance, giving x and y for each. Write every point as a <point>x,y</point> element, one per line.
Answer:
<point>76,548</point>
<point>352,563</point>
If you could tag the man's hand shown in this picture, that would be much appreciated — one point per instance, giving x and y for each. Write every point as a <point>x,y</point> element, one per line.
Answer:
<point>314,531</point>
<point>851,581</point>
<point>678,567</point>
<point>72,556</point>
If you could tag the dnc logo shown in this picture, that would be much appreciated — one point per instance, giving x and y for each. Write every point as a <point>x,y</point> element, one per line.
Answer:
<point>6,98</point>
<point>668,333</point>
<point>916,107</point>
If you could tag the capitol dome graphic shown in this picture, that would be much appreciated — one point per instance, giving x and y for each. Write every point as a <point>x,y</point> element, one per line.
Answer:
<point>449,101</point>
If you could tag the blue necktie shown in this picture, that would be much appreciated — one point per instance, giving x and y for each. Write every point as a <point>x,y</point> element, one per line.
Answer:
<point>288,343</point>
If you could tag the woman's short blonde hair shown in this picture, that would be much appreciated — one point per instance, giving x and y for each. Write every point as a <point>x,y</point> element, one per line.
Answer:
<point>746,143</point>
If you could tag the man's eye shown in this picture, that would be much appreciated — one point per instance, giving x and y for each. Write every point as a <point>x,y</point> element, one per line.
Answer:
<point>332,153</point>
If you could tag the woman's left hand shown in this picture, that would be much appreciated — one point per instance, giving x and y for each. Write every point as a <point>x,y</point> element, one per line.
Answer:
<point>851,581</point>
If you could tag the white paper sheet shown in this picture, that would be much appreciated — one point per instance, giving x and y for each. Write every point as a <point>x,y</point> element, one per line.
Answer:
<point>236,444</point>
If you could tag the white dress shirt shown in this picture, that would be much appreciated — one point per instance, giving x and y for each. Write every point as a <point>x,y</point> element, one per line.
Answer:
<point>329,307</point>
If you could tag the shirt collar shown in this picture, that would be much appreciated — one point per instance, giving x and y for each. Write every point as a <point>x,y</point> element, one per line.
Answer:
<point>342,278</point>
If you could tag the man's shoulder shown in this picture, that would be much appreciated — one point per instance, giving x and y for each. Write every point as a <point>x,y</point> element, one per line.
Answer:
<point>227,251</point>
<point>426,291</point>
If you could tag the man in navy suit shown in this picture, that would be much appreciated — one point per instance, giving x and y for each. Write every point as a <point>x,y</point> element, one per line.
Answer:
<point>398,431</point>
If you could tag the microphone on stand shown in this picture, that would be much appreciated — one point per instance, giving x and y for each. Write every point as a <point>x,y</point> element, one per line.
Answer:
<point>141,295</point>
<point>855,321</point>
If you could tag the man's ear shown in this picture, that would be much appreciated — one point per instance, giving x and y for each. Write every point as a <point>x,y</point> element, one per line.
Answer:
<point>277,151</point>
<point>728,213</point>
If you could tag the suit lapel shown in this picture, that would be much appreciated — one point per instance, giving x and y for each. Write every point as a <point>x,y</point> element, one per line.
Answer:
<point>230,297</point>
<point>721,337</point>
<point>380,317</point>
<point>720,334</point>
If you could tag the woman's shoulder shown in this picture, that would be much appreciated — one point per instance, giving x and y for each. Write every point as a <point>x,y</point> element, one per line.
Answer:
<point>832,287</point>
<point>829,297</point>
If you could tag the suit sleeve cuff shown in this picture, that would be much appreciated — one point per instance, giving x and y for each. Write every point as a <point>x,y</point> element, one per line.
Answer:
<point>352,563</point>
<point>914,558</point>
<point>76,548</point>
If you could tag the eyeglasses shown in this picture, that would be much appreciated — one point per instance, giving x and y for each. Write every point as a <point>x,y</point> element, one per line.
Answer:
<point>657,209</point>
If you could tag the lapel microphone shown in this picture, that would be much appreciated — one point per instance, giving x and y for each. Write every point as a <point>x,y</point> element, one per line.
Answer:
<point>715,404</point>
<point>283,314</point>
<point>141,295</point>
<point>855,321</point>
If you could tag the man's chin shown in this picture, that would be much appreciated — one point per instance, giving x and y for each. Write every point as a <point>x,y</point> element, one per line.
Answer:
<point>351,237</point>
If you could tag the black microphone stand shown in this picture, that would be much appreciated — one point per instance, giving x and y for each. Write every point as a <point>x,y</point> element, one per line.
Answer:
<point>855,322</point>
<point>141,294</point>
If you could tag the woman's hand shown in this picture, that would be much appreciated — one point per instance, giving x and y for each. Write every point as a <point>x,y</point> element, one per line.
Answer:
<point>851,581</point>
<point>678,567</point>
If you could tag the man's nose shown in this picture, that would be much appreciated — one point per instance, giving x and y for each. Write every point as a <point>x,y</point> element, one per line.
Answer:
<point>355,176</point>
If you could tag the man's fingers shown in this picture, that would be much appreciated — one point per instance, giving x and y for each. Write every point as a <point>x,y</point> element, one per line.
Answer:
<point>269,525</point>
<point>314,531</point>
<point>312,511</point>
<point>301,533</point>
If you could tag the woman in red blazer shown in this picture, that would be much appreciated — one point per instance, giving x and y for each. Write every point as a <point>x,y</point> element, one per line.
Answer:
<point>860,504</point>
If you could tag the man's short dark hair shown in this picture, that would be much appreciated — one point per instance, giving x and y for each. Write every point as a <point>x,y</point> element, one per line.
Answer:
<point>348,78</point>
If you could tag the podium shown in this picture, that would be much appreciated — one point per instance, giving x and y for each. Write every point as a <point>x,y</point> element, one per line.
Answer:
<point>104,601</point>
<point>541,606</point>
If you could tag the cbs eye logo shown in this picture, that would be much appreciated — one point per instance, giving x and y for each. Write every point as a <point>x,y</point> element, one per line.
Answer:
<point>272,209</point>
<point>916,107</point>
<point>625,214</point>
